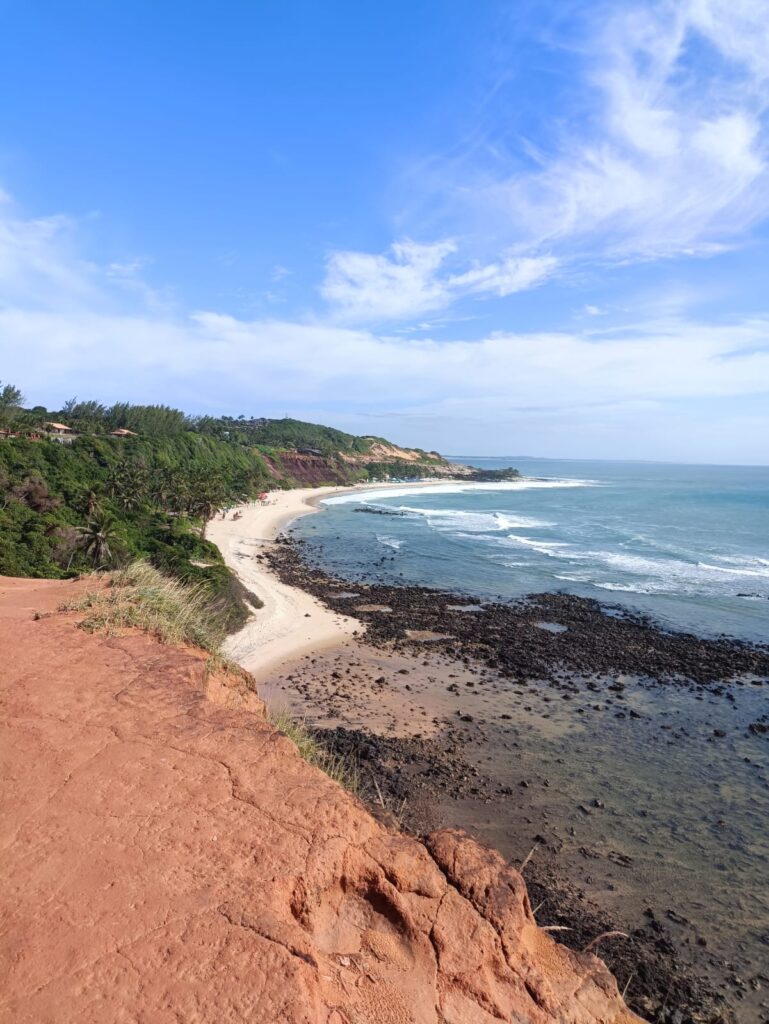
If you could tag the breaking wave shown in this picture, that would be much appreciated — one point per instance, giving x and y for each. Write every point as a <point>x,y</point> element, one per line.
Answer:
<point>475,522</point>
<point>456,487</point>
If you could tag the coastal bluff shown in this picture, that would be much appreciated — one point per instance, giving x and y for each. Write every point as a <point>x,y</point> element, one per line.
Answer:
<point>169,857</point>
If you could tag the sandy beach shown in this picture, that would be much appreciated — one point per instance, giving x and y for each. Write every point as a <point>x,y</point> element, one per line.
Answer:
<point>291,621</point>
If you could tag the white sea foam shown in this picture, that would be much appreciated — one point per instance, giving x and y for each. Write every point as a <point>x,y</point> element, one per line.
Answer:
<point>625,588</point>
<point>762,572</point>
<point>551,548</point>
<point>390,542</point>
<point>481,522</point>
<point>455,487</point>
<point>670,575</point>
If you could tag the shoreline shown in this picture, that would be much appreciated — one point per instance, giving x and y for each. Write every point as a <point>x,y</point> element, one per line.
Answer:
<point>291,621</point>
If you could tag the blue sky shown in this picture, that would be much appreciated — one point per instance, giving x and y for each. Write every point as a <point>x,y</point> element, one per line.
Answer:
<point>535,228</point>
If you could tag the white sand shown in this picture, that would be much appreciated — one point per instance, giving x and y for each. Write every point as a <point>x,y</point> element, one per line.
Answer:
<point>292,622</point>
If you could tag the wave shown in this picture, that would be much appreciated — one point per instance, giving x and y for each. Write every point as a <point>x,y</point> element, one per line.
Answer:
<point>760,572</point>
<point>602,551</point>
<point>625,588</point>
<point>456,487</point>
<point>551,548</point>
<point>480,522</point>
<point>668,575</point>
<point>647,575</point>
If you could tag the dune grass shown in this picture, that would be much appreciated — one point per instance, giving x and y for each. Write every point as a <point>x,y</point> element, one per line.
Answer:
<point>177,613</point>
<point>142,597</point>
<point>337,767</point>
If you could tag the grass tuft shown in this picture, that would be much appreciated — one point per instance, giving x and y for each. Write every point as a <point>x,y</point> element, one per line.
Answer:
<point>337,767</point>
<point>142,597</point>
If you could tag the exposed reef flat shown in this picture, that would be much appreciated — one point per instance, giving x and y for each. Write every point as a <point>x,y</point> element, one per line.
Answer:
<point>492,723</point>
<point>592,638</point>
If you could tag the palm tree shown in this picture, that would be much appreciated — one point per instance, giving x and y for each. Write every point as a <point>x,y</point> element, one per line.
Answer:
<point>95,539</point>
<point>128,485</point>
<point>207,496</point>
<point>93,501</point>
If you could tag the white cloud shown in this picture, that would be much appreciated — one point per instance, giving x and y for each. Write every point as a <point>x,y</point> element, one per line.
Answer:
<point>672,159</point>
<point>219,360</point>
<point>411,280</point>
<point>38,265</point>
<point>513,274</point>
<point>738,28</point>
<point>365,286</point>
<point>86,340</point>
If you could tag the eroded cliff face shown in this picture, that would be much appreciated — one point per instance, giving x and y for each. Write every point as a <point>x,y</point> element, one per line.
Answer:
<point>315,470</point>
<point>169,857</point>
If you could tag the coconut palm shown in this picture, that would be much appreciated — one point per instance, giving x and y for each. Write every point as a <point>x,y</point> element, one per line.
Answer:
<point>93,501</point>
<point>128,485</point>
<point>95,539</point>
<point>206,497</point>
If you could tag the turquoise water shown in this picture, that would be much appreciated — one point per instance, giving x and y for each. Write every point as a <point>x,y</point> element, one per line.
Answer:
<point>687,544</point>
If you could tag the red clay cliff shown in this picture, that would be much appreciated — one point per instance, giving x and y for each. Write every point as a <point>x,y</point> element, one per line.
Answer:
<point>168,857</point>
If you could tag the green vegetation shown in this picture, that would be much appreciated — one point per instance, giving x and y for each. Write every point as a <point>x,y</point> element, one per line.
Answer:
<point>102,502</point>
<point>495,475</point>
<point>11,400</point>
<point>284,434</point>
<point>311,748</point>
<point>142,597</point>
<point>82,499</point>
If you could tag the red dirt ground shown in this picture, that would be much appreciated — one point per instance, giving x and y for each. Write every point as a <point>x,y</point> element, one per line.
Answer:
<point>168,857</point>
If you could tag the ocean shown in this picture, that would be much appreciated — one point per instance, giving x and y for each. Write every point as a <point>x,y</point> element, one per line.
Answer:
<point>688,545</point>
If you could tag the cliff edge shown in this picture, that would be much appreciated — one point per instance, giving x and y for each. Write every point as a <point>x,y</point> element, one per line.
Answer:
<point>168,857</point>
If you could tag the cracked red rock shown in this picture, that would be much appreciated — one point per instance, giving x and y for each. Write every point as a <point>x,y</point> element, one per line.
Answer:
<point>169,857</point>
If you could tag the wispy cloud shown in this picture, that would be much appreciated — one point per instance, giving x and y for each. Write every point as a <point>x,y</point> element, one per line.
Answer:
<point>38,265</point>
<point>412,279</point>
<point>671,159</point>
<point>665,156</point>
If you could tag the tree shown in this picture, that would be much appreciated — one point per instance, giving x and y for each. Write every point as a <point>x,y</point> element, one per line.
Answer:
<point>128,484</point>
<point>11,401</point>
<point>93,501</point>
<point>95,539</point>
<point>207,495</point>
<point>89,417</point>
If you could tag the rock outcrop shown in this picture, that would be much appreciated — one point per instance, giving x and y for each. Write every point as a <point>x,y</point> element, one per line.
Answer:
<point>169,858</point>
